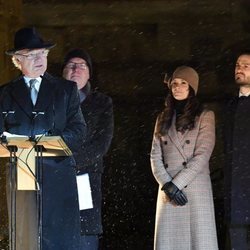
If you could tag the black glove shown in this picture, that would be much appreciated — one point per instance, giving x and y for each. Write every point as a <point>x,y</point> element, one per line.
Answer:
<point>174,194</point>
<point>180,198</point>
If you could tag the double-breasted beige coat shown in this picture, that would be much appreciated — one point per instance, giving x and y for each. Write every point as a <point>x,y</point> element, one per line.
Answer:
<point>184,160</point>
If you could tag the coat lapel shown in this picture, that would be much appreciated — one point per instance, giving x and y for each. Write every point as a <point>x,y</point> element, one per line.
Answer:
<point>20,93</point>
<point>172,133</point>
<point>182,136</point>
<point>45,94</point>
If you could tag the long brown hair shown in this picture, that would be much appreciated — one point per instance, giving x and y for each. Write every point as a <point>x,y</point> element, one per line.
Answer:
<point>186,120</point>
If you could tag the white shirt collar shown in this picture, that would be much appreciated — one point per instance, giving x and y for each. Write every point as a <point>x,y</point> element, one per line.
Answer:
<point>247,94</point>
<point>37,84</point>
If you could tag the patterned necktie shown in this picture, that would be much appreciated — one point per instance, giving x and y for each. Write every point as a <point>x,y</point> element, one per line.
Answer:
<point>33,91</point>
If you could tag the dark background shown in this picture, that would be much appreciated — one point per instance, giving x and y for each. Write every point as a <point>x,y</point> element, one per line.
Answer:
<point>133,43</point>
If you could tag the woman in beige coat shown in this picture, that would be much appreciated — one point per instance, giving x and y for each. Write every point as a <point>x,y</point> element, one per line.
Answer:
<point>183,141</point>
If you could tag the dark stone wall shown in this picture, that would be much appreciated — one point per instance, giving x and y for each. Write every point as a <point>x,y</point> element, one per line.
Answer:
<point>133,43</point>
<point>10,19</point>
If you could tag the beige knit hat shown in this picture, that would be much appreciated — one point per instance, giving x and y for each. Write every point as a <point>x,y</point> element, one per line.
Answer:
<point>188,74</point>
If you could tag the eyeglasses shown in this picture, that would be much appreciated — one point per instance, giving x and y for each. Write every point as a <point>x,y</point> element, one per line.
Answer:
<point>73,66</point>
<point>32,56</point>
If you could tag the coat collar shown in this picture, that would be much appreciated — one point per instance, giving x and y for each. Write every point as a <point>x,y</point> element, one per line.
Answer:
<point>85,92</point>
<point>20,93</point>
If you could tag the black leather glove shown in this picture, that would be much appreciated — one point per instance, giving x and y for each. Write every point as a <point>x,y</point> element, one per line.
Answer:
<point>174,194</point>
<point>180,198</point>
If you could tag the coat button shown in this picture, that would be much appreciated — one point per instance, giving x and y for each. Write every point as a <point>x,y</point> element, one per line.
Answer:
<point>184,164</point>
<point>187,141</point>
<point>165,142</point>
<point>166,165</point>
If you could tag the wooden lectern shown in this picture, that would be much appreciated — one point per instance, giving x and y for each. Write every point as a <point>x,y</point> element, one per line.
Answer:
<point>25,158</point>
<point>51,146</point>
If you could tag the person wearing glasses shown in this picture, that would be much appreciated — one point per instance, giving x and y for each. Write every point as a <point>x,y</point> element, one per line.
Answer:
<point>183,142</point>
<point>97,109</point>
<point>44,105</point>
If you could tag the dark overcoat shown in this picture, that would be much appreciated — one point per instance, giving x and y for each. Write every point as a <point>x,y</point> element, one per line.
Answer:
<point>59,101</point>
<point>97,110</point>
<point>237,168</point>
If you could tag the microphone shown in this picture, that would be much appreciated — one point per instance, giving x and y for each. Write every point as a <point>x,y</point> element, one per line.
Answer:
<point>37,113</point>
<point>51,131</point>
<point>6,113</point>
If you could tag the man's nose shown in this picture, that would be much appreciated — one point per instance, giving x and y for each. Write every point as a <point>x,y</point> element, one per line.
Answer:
<point>238,68</point>
<point>74,68</point>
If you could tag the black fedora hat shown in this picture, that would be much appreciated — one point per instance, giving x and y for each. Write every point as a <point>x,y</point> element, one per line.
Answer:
<point>28,38</point>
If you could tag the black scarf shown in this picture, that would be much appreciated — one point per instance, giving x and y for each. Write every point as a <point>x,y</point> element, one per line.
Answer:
<point>179,106</point>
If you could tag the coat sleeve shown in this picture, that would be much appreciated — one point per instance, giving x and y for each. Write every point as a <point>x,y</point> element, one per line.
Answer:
<point>157,163</point>
<point>99,138</point>
<point>202,152</point>
<point>75,129</point>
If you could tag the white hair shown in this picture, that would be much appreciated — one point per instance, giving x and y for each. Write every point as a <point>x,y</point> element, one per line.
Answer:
<point>16,61</point>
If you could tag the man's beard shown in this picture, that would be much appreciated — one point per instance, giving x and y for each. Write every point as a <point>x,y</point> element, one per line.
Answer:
<point>242,83</point>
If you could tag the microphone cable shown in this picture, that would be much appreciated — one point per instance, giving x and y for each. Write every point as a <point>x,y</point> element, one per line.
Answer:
<point>25,162</point>
<point>35,140</point>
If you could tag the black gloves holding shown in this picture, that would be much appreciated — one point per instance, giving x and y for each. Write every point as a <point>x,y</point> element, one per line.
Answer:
<point>174,194</point>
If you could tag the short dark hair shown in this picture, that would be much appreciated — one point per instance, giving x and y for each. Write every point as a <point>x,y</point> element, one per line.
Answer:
<point>242,52</point>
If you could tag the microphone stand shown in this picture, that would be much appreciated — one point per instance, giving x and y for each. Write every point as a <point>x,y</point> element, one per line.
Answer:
<point>39,173</point>
<point>12,184</point>
<point>13,188</point>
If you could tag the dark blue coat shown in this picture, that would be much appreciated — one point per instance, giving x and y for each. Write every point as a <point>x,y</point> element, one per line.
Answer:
<point>237,168</point>
<point>59,101</point>
<point>97,110</point>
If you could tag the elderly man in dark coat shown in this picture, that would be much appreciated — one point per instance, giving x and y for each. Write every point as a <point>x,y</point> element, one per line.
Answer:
<point>98,112</point>
<point>44,104</point>
<point>237,169</point>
